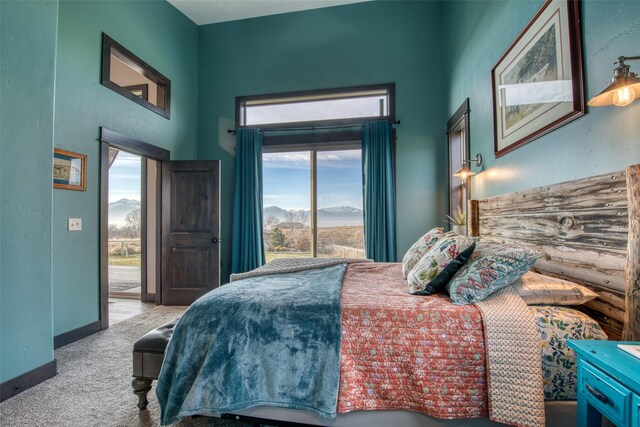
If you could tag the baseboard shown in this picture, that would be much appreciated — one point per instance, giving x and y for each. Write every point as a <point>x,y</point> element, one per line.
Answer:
<point>27,380</point>
<point>76,334</point>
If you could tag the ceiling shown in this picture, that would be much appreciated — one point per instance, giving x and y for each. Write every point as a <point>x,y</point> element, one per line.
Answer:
<point>204,12</point>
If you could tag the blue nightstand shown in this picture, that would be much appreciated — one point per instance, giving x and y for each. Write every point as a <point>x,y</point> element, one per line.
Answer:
<point>608,384</point>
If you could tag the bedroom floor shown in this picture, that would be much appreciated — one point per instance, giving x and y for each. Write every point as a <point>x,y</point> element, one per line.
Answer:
<point>121,309</point>
<point>93,385</point>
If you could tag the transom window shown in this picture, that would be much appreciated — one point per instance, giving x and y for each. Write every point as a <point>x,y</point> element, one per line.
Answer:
<point>318,107</point>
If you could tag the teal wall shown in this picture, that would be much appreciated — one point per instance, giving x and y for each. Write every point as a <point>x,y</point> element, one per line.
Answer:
<point>27,72</point>
<point>606,139</point>
<point>164,38</point>
<point>367,43</point>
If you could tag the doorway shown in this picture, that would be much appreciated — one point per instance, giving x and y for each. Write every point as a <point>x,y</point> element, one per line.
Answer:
<point>179,227</point>
<point>125,225</point>
<point>130,226</point>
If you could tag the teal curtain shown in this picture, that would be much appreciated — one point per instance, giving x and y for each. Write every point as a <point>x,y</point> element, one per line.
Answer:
<point>379,191</point>
<point>247,245</point>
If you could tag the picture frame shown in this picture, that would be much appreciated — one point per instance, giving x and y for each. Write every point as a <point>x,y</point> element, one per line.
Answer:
<point>69,170</point>
<point>538,83</point>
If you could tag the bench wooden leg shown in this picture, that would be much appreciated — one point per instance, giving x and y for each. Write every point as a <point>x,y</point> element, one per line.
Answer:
<point>141,387</point>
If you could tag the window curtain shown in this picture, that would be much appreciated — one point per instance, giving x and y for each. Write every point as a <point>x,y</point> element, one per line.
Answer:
<point>379,191</point>
<point>247,244</point>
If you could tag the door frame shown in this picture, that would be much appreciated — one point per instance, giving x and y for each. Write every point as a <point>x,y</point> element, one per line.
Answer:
<point>112,139</point>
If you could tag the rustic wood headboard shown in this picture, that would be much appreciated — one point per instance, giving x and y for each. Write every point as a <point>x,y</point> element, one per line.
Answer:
<point>588,231</point>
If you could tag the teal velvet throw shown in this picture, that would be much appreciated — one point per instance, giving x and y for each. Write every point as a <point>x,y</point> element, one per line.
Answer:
<point>247,246</point>
<point>379,191</point>
<point>261,341</point>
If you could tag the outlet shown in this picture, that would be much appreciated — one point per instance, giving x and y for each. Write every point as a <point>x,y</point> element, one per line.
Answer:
<point>74,224</point>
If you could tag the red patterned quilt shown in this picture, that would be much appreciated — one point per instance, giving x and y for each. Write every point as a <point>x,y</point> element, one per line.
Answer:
<point>405,352</point>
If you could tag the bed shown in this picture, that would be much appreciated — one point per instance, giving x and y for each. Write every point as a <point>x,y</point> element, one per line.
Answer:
<point>587,231</point>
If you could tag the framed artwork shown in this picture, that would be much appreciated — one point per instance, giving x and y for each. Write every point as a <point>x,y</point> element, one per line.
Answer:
<point>69,170</point>
<point>538,84</point>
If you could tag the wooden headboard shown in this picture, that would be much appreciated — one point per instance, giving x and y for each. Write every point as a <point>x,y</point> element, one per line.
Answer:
<point>588,231</point>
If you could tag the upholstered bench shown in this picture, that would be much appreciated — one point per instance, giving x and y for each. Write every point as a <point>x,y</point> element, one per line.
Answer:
<point>148,354</point>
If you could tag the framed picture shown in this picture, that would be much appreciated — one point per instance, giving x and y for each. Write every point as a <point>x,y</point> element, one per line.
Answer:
<point>69,170</point>
<point>538,84</point>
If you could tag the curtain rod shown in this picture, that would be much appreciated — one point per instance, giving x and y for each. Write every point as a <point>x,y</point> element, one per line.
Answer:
<point>314,127</point>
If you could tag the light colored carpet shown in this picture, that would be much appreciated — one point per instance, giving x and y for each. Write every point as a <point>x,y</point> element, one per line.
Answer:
<point>93,385</point>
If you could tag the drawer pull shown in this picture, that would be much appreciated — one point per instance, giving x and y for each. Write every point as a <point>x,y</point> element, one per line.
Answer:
<point>601,397</point>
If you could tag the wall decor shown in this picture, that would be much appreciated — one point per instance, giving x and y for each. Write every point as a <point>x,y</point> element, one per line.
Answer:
<point>69,170</point>
<point>538,84</point>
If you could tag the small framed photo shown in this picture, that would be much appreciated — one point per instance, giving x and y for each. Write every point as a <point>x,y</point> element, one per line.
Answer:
<point>538,84</point>
<point>69,170</point>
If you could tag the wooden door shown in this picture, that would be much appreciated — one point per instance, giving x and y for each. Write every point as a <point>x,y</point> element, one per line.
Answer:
<point>190,230</point>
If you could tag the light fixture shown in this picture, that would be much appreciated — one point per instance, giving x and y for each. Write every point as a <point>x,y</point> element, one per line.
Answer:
<point>624,87</point>
<point>464,172</point>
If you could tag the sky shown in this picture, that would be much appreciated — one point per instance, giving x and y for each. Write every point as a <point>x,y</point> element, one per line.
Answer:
<point>287,179</point>
<point>124,177</point>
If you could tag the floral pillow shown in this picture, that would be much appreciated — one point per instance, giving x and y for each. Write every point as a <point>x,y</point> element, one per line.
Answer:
<point>556,325</point>
<point>492,267</point>
<point>537,288</point>
<point>437,267</point>
<point>419,248</point>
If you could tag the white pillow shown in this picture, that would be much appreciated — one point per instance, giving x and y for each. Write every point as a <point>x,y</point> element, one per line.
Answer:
<point>537,288</point>
<point>419,248</point>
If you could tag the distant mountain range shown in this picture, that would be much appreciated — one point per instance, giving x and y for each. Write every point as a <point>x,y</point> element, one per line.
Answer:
<point>119,210</point>
<point>327,217</point>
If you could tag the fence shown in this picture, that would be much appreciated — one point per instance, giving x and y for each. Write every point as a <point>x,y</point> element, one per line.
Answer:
<point>337,251</point>
<point>124,247</point>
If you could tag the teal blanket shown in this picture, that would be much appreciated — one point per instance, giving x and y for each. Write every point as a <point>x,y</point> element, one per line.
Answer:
<point>261,341</point>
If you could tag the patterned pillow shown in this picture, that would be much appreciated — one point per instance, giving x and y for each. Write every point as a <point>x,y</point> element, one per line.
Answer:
<point>419,248</point>
<point>556,325</point>
<point>492,267</point>
<point>537,288</point>
<point>437,267</point>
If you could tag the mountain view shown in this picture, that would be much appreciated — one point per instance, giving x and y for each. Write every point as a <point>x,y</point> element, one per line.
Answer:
<point>327,217</point>
<point>120,209</point>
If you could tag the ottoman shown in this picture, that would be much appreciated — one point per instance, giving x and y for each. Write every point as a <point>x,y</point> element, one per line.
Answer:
<point>148,354</point>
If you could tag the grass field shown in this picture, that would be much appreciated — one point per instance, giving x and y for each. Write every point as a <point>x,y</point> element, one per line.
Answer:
<point>131,260</point>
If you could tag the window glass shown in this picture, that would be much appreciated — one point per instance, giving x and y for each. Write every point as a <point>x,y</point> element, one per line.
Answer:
<point>287,204</point>
<point>339,105</point>
<point>340,217</point>
<point>315,110</point>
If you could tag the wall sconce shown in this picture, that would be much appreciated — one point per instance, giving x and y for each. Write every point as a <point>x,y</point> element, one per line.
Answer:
<point>464,172</point>
<point>624,87</point>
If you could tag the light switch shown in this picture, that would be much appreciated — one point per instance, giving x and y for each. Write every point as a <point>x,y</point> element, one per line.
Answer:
<point>74,224</point>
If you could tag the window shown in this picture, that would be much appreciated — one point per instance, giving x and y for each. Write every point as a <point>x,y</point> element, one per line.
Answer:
<point>458,144</point>
<point>349,105</point>
<point>312,167</point>
<point>125,73</point>
<point>312,204</point>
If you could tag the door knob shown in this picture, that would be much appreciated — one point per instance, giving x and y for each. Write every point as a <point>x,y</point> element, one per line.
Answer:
<point>215,239</point>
